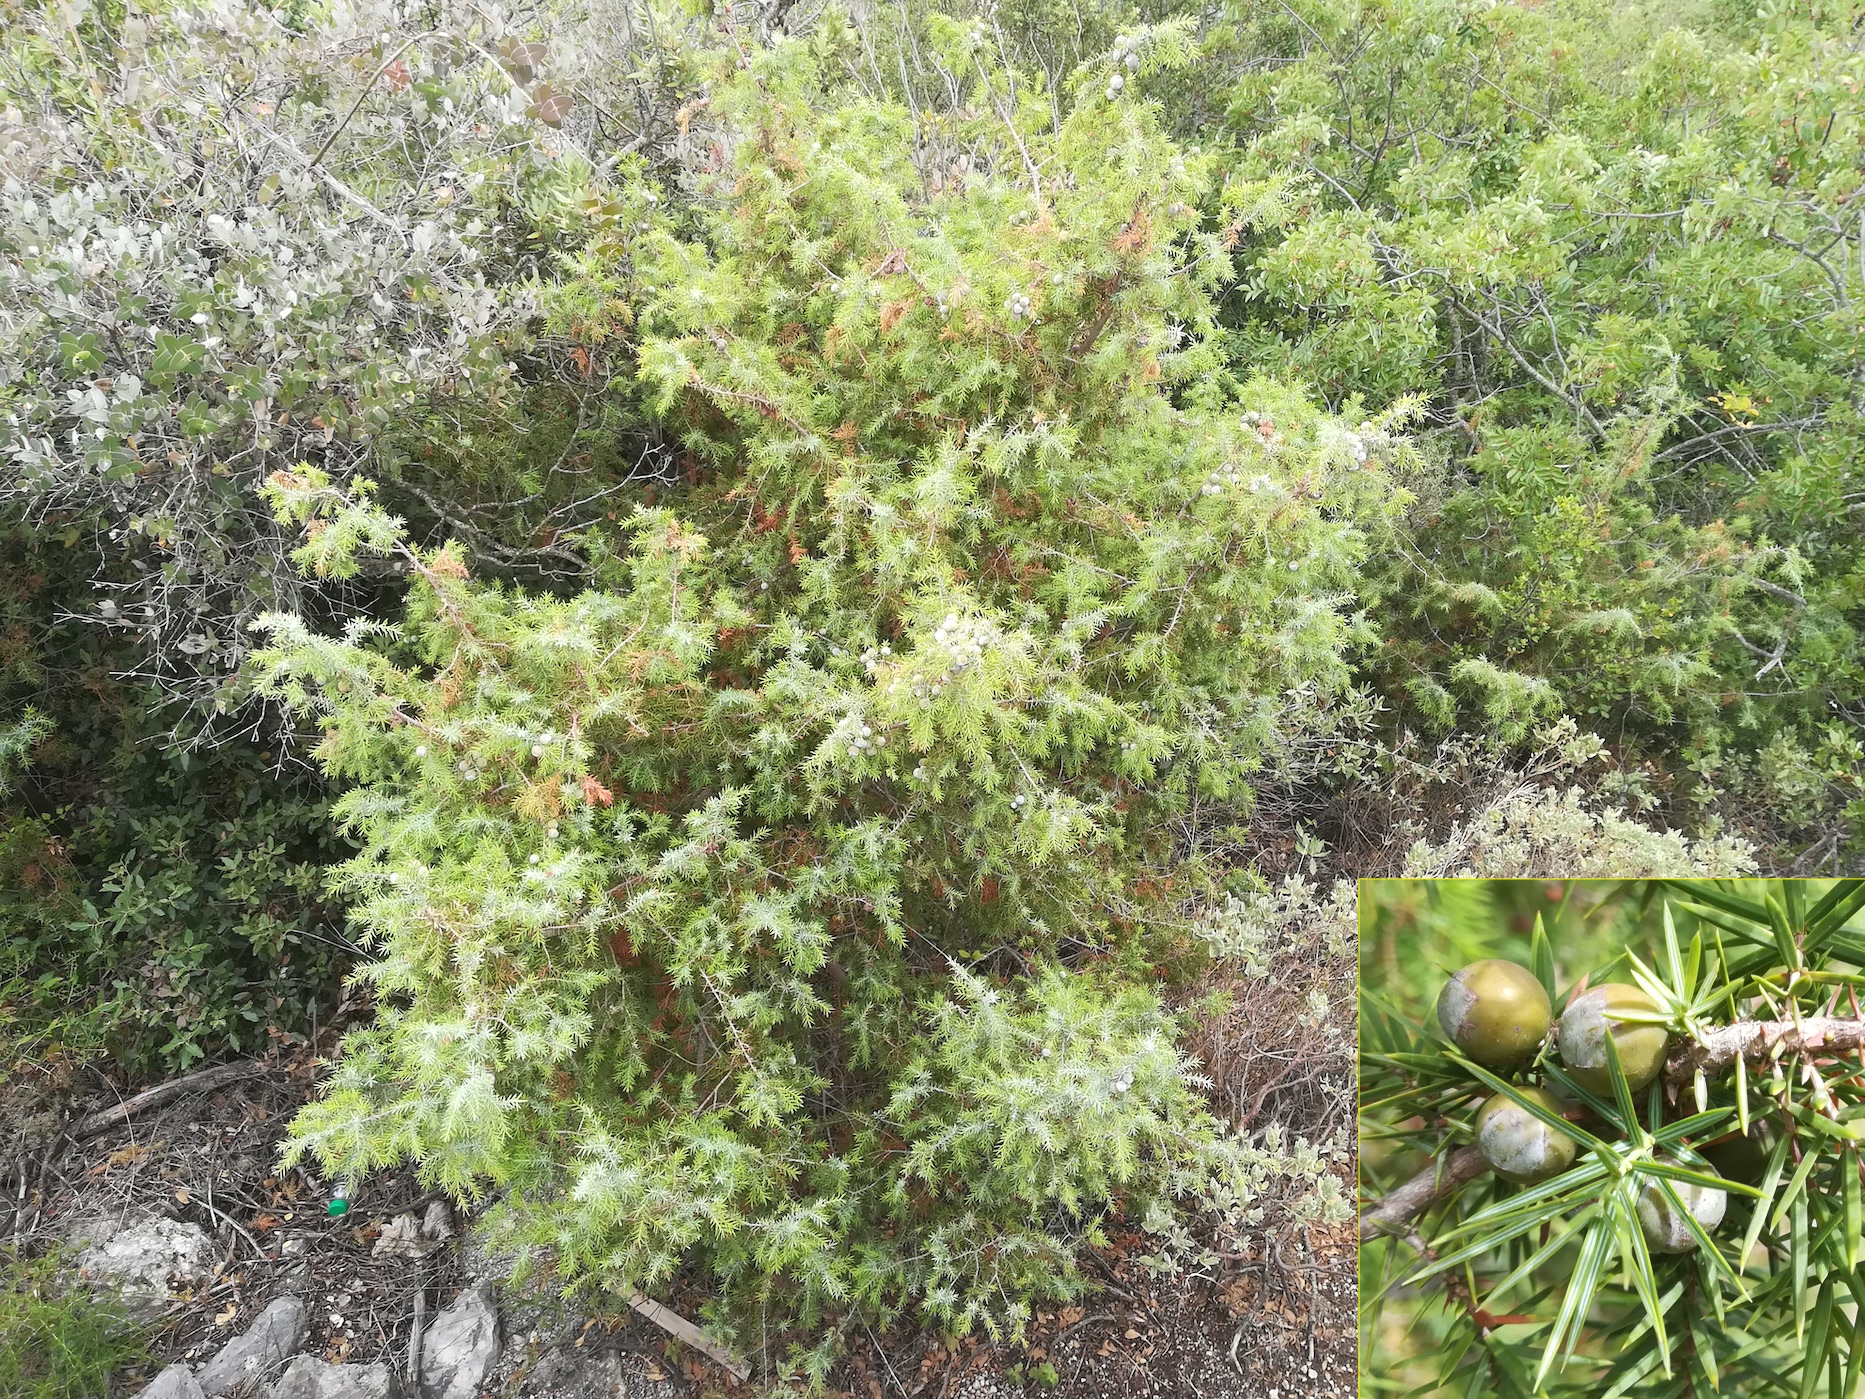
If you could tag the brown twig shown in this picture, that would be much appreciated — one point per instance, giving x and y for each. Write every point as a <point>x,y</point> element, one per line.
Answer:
<point>676,1325</point>
<point>1422,1191</point>
<point>414,1337</point>
<point>1756,1040</point>
<point>1086,1321</point>
<point>200,1082</point>
<point>238,1228</point>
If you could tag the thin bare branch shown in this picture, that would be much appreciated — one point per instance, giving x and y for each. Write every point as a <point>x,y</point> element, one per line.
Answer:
<point>1438,1181</point>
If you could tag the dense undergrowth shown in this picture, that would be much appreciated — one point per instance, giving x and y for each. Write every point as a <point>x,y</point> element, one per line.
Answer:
<point>57,1342</point>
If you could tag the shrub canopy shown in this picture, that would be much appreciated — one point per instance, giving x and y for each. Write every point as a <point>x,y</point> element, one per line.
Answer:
<point>794,902</point>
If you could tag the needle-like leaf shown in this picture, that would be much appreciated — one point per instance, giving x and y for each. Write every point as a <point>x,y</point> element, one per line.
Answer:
<point>1670,1170</point>
<point>1770,1183</point>
<point>1706,892</point>
<point>1757,933</point>
<point>1741,1092</point>
<point>1703,1342</point>
<point>1533,1200</point>
<point>1855,1209</point>
<point>1560,1238</point>
<point>1541,959</point>
<point>1799,1255</point>
<point>1829,915</point>
<point>1855,1339</point>
<point>1706,1245</point>
<point>1594,1253</point>
<point>1622,1091</point>
<point>1796,1192</point>
<point>1637,1259</point>
<point>1784,943</point>
<point>1673,957</point>
<point>1813,1363</point>
<point>1793,903</point>
<point>1631,1367</point>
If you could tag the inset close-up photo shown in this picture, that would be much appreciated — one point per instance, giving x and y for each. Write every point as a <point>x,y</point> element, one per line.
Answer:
<point>1611,1137</point>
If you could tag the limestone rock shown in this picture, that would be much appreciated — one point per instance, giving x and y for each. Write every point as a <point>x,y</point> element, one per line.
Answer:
<point>310,1378</point>
<point>253,1358</point>
<point>437,1223</point>
<point>176,1382</point>
<point>143,1255</point>
<point>461,1345</point>
<point>564,1372</point>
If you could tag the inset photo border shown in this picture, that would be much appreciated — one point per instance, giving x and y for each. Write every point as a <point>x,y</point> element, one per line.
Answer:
<point>1611,1136</point>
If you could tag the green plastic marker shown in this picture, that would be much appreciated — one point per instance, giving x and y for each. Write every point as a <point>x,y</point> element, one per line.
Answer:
<point>339,1202</point>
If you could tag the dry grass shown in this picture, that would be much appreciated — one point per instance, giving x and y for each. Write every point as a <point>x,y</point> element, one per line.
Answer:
<point>1273,1026</point>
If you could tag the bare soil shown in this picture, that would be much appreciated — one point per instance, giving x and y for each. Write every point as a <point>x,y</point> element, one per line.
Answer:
<point>1250,1326</point>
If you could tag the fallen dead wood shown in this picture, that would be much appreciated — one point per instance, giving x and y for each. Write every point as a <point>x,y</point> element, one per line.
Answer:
<point>200,1082</point>
<point>678,1326</point>
<point>414,1337</point>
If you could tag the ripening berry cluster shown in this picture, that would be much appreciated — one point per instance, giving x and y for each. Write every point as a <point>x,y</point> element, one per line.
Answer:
<point>963,640</point>
<point>1499,1014</point>
<point>1265,428</point>
<point>471,769</point>
<point>1126,55</point>
<point>859,738</point>
<point>1229,478</point>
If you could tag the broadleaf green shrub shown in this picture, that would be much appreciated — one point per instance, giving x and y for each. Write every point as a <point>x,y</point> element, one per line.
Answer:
<point>161,898</point>
<point>1616,248</point>
<point>794,905</point>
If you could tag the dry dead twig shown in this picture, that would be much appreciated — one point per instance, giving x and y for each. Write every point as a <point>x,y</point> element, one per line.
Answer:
<point>199,1082</point>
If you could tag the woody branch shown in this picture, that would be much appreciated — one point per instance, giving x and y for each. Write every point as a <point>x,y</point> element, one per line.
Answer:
<point>1751,1040</point>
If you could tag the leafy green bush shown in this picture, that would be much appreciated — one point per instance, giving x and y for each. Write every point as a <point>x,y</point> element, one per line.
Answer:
<point>160,900</point>
<point>232,240</point>
<point>793,904</point>
<point>177,910</point>
<point>1616,247</point>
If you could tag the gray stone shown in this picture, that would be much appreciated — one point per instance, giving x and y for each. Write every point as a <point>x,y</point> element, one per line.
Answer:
<point>437,1223</point>
<point>141,1257</point>
<point>176,1382</point>
<point>460,1346</point>
<point>311,1378</point>
<point>253,1358</point>
<point>551,1352</point>
<point>564,1372</point>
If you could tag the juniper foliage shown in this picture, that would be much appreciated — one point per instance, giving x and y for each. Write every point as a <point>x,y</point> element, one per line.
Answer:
<point>794,905</point>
